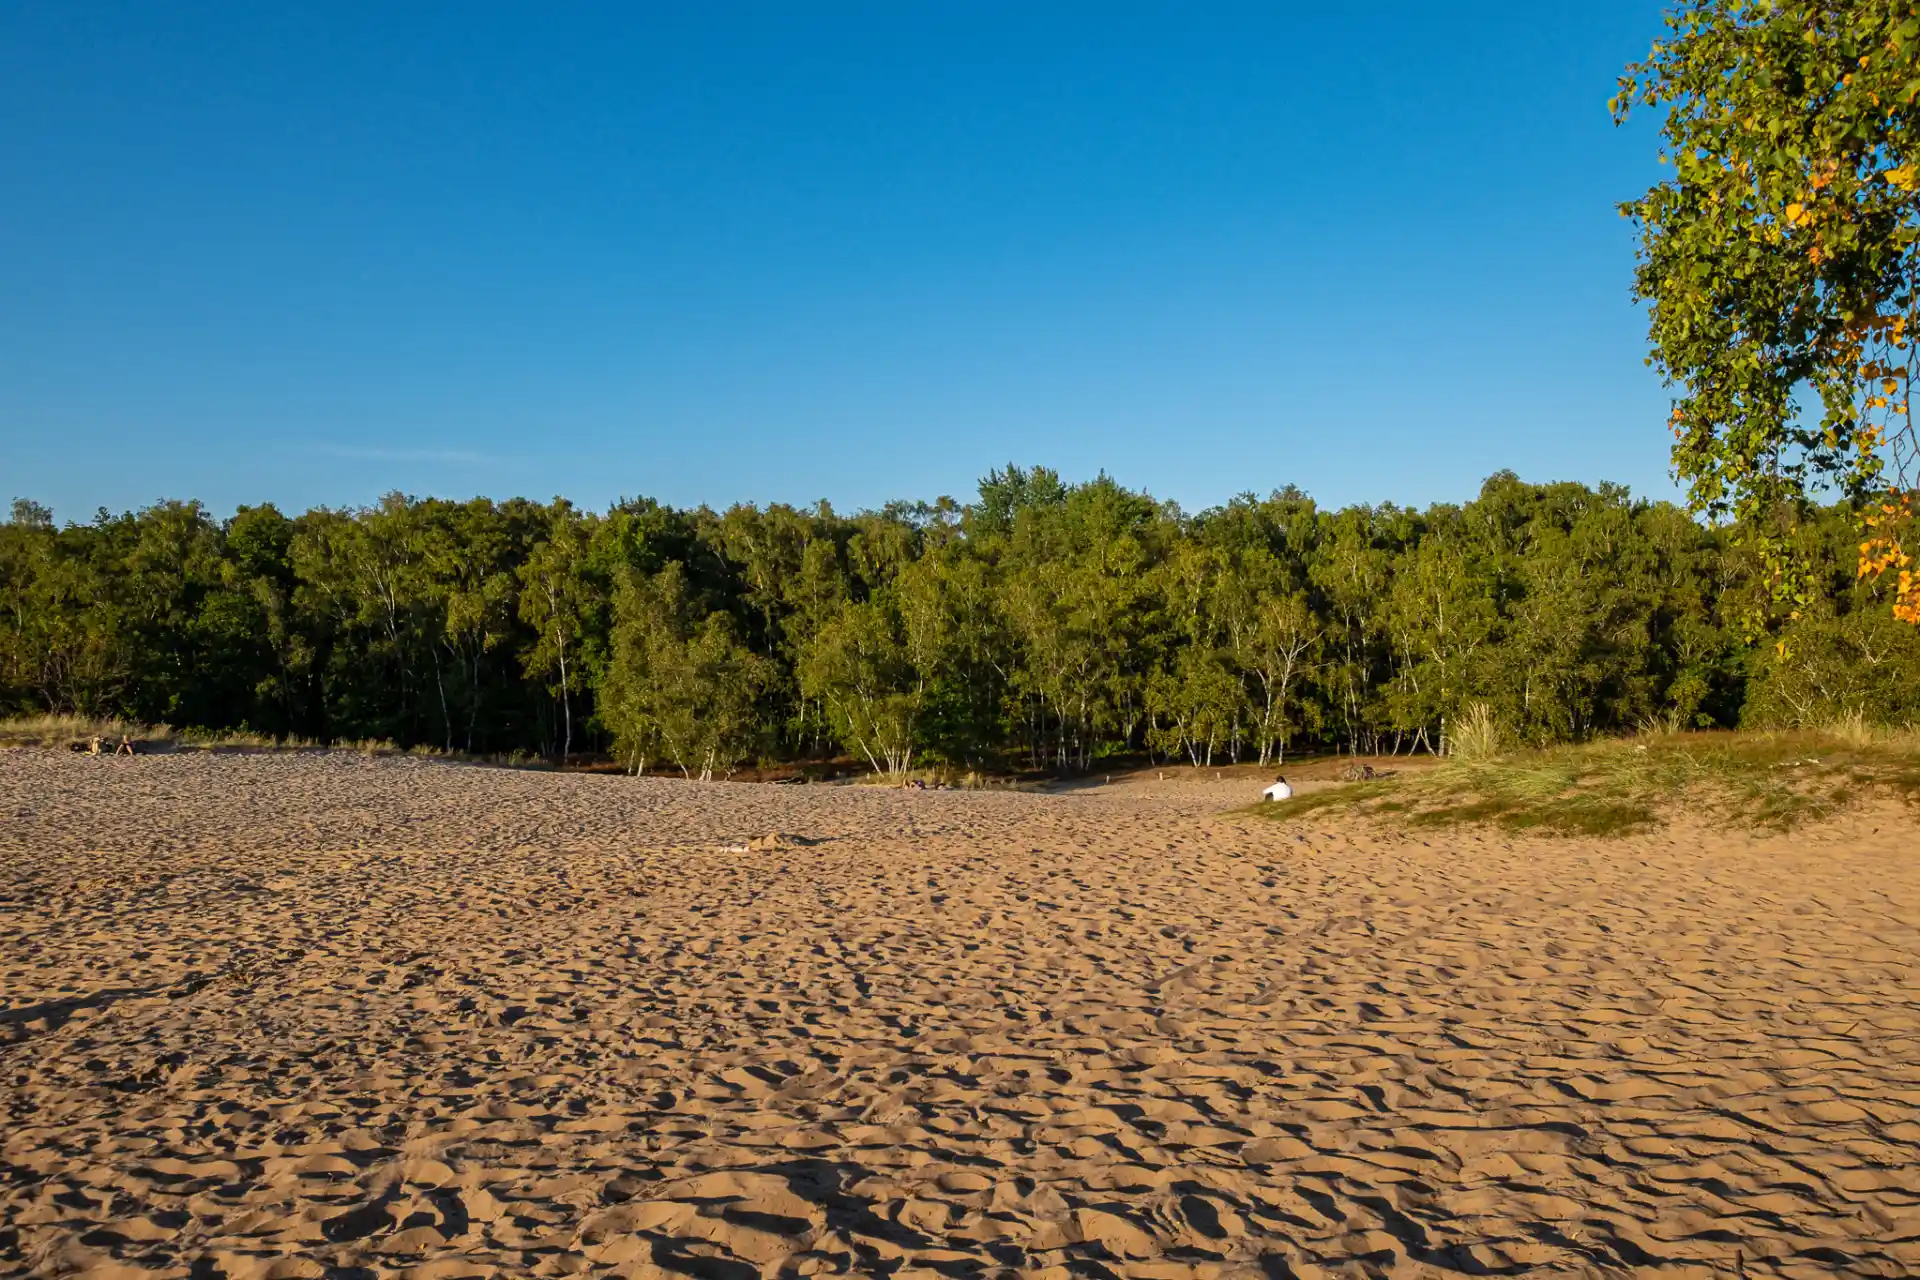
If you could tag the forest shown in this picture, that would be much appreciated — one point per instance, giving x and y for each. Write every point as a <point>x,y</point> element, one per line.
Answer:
<point>1044,626</point>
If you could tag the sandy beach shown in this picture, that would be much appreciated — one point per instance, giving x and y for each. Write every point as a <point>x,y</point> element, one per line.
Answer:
<point>324,1015</point>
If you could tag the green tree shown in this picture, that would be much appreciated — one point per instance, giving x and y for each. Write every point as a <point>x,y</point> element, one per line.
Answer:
<point>64,648</point>
<point>1195,706</point>
<point>258,657</point>
<point>1351,571</point>
<point>859,665</point>
<point>679,685</point>
<point>1782,254</point>
<point>555,602</point>
<point>1440,615</point>
<point>957,637</point>
<point>1276,640</point>
<point>468,584</point>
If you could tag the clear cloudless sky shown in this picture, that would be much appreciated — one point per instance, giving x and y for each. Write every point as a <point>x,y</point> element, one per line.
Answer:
<point>714,252</point>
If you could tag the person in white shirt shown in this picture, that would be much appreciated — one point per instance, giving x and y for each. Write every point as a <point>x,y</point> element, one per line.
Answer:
<point>1278,791</point>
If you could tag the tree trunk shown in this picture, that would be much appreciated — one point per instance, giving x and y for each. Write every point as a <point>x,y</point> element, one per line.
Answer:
<point>566,706</point>
<point>440,684</point>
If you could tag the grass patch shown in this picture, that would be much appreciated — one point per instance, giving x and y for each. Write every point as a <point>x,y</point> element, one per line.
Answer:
<point>240,740</point>
<point>1761,781</point>
<point>61,731</point>
<point>58,731</point>
<point>948,778</point>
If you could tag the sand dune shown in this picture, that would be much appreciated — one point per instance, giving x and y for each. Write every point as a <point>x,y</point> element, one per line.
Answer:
<point>305,1016</point>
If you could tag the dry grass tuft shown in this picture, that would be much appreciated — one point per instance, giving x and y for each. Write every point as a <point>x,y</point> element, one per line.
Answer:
<point>1855,729</point>
<point>1764,781</point>
<point>1474,734</point>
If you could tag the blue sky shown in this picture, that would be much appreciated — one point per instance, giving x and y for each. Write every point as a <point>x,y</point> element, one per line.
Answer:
<point>778,252</point>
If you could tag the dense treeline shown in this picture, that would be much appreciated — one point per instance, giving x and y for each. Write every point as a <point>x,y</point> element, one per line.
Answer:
<point>1045,625</point>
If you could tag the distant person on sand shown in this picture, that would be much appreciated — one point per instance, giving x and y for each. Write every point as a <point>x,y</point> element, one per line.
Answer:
<point>1278,791</point>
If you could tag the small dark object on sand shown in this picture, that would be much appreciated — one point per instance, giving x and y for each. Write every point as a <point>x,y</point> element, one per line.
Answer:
<point>774,840</point>
<point>1364,773</point>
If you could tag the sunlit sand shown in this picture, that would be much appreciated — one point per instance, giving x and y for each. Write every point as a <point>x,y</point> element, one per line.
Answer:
<point>325,1015</point>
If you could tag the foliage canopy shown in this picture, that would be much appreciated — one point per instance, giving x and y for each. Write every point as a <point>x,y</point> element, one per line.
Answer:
<point>1045,626</point>
<point>1780,260</point>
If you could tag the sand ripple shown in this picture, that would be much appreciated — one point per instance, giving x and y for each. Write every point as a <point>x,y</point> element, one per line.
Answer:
<point>304,1016</point>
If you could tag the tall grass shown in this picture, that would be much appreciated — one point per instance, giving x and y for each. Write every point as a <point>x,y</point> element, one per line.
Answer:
<point>1474,734</point>
<point>54,731</point>
<point>949,777</point>
<point>1764,781</point>
<point>1854,729</point>
<point>241,739</point>
<point>59,731</point>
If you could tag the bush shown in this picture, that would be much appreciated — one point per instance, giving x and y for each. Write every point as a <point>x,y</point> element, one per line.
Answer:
<point>1863,666</point>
